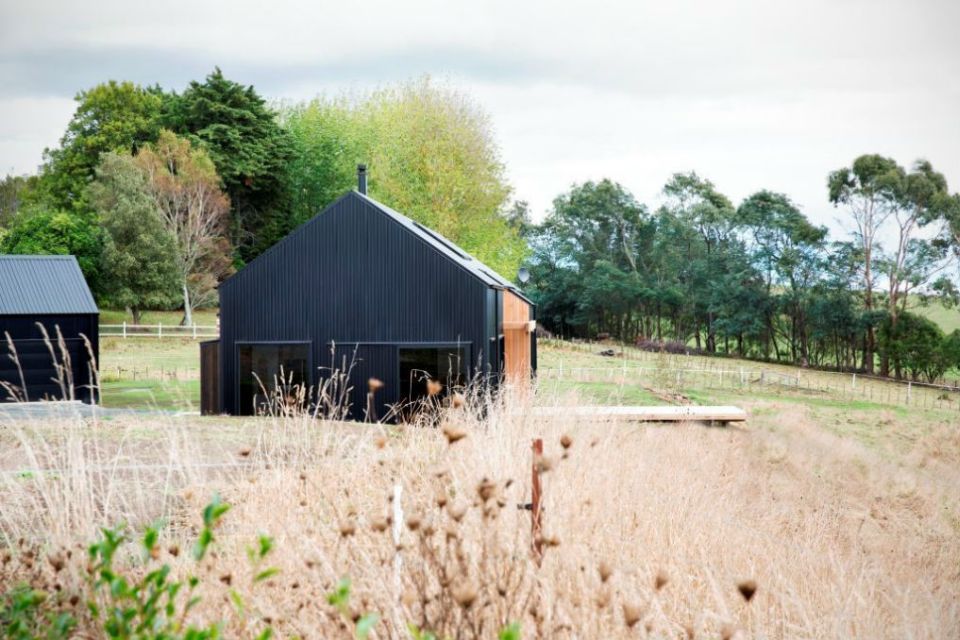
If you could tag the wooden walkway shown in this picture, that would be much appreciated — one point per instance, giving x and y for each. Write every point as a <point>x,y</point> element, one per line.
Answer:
<point>646,414</point>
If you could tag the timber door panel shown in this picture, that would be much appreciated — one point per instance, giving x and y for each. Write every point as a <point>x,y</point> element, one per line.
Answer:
<point>516,335</point>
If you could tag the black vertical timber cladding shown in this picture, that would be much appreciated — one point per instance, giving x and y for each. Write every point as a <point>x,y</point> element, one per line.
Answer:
<point>352,275</point>
<point>37,365</point>
<point>209,377</point>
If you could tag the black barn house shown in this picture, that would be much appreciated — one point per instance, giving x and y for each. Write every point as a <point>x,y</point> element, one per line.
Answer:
<point>48,292</point>
<point>362,283</point>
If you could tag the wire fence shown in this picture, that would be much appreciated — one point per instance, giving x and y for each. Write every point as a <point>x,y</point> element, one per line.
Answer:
<point>676,372</point>
<point>160,331</point>
<point>152,370</point>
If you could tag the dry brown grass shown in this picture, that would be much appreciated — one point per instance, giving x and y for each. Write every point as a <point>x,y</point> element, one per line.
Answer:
<point>649,531</point>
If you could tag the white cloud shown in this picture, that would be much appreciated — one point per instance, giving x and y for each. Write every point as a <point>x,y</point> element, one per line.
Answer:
<point>749,93</point>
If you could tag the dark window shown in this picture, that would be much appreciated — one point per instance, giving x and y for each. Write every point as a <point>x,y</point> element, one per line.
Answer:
<point>448,365</point>
<point>279,371</point>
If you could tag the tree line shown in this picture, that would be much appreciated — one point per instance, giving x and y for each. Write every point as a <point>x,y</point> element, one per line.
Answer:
<point>758,280</point>
<point>162,194</point>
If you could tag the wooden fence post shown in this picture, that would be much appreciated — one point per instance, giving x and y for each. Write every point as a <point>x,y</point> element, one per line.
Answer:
<point>124,328</point>
<point>160,330</point>
<point>536,542</point>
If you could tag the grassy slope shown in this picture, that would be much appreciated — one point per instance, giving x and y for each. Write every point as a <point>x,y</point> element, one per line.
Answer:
<point>948,319</point>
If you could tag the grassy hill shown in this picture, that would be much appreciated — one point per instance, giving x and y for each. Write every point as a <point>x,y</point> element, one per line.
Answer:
<point>948,319</point>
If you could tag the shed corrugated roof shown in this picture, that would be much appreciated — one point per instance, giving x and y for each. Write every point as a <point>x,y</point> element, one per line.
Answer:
<point>36,285</point>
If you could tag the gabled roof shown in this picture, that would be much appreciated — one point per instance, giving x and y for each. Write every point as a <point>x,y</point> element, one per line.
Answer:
<point>36,285</point>
<point>447,248</point>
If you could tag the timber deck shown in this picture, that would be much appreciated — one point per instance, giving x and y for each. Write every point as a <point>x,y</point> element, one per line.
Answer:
<point>646,414</point>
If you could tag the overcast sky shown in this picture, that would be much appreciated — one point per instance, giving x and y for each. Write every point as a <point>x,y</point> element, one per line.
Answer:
<point>750,94</point>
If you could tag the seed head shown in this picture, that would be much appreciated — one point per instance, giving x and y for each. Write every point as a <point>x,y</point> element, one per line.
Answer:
<point>347,528</point>
<point>413,522</point>
<point>660,581</point>
<point>56,561</point>
<point>747,589</point>
<point>374,384</point>
<point>457,400</point>
<point>632,613</point>
<point>566,441</point>
<point>379,524</point>
<point>543,463</point>
<point>486,489</point>
<point>434,387</point>
<point>465,594</point>
<point>453,433</point>
<point>457,510</point>
<point>605,571</point>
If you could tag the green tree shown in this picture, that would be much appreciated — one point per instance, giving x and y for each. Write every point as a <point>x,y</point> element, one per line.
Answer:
<point>913,344</point>
<point>329,140</point>
<point>13,191</point>
<point>113,116</point>
<point>185,189</point>
<point>868,188</point>
<point>787,248</point>
<point>584,266</point>
<point>696,203</point>
<point>52,232</point>
<point>138,268</point>
<point>250,151</point>
<point>951,349</point>
<point>431,154</point>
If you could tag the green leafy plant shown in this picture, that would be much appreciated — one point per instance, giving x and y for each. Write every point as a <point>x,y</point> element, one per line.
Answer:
<point>22,616</point>
<point>155,606</point>
<point>339,598</point>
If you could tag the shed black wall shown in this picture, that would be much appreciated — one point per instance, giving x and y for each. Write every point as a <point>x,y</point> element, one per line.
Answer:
<point>354,277</point>
<point>35,361</point>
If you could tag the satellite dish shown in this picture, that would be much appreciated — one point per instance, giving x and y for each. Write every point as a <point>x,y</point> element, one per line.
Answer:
<point>523,275</point>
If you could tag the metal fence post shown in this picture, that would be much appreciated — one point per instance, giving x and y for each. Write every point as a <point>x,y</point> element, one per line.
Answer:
<point>159,329</point>
<point>124,328</point>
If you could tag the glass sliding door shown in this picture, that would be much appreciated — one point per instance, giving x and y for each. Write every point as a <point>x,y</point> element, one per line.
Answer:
<point>418,365</point>
<point>271,374</point>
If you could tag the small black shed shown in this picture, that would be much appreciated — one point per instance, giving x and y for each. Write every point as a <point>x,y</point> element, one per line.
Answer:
<point>39,296</point>
<point>361,288</point>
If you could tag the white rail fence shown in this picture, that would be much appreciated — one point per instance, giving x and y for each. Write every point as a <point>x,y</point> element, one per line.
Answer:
<point>159,330</point>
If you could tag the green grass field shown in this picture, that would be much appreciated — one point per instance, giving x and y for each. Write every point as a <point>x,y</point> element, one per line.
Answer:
<point>947,319</point>
<point>144,373</point>
<point>203,317</point>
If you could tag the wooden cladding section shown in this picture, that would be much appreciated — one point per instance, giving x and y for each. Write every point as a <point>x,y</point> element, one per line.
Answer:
<point>516,338</point>
<point>210,377</point>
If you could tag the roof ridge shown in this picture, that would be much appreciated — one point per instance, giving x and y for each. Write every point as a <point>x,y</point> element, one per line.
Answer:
<point>36,256</point>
